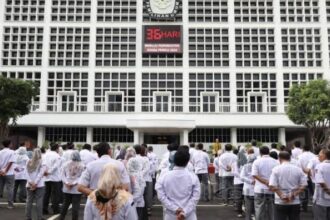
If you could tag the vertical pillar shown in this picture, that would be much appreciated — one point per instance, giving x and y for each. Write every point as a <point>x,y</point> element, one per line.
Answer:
<point>184,137</point>
<point>89,137</point>
<point>141,138</point>
<point>281,136</point>
<point>233,136</point>
<point>41,136</point>
<point>136,136</point>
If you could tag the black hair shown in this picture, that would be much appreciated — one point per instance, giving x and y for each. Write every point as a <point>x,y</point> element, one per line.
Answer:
<point>184,148</point>
<point>102,149</point>
<point>87,147</point>
<point>54,146</point>
<point>150,149</point>
<point>43,150</point>
<point>175,146</point>
<point>273,146</point>
<point>95,147</point>
<point>192,145</point>
<point>289,150</point>
<point>284,156</point>
<point>282,147</point>
<point>6,143</point>
<point>297,144</point>
<point>253,143</point>
<point>306,148</point>
<point>143,150</point>
<point>228,147</point>
<point>22,144</point>
<point>273,155</point>
<point>70,145</point>
<point>64,146</point>
<point>172,147</point>
<point>264,150</point>
<point>327,153</point>
<point>181,158</point>
<point>235,151</point>
<point>200,146</point>
<point>138,149</point>
<point>169,147</point>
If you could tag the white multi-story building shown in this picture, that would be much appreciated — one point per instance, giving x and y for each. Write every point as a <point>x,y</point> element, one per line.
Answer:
<point>231,81</point>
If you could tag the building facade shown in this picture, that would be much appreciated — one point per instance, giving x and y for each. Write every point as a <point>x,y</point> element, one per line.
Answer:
<point>230,81</point>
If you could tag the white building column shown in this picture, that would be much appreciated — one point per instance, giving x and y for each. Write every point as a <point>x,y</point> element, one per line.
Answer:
<point>233,136</point>
<point>89,135</point>
<point>141,137</point>
<point>281,136</point>
<point>184,137</point>
<point>41,136</point>
<point>136,136</point>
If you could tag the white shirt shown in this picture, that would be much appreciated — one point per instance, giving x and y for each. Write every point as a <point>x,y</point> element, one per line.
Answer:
<point>36,176</point>
<point>256,151</point>
<point>164,163</point>
<point>178,188</point>
<point>247,179</point>
<point>201,162</point>
<point>67,155</point>
<point>53,163</point>
<point>227,159</point>
<point>7,156</point>
<point>68,178</point>
<point>87,156</point>
<point>322,175</point>
<point>153,159</point>
<point>216,165</point>
<point>305,158</point>
<point>192,151</point>
<point>20,168</point>
<point>236,171</point>
<point>287,177</point>
<point>92,173</point>
<point>296,152</point>
<point>263,167</point>
<point>312,166</point>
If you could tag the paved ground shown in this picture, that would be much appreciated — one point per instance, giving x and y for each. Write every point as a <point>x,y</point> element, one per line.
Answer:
<point>210,211</point>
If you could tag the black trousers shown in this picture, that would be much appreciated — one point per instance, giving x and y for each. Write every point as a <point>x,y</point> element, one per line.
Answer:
<point>287,212</point>
<point>140,211</point>
<point>239,198</point>
<point>21,184</point>
<point>53,191</point>
<point>69,199</point>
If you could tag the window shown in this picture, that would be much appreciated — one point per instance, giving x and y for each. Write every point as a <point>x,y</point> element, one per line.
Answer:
<point>210,102</point>
<point>24,10</point>
<point>301,47</point>
<point>208,135</point>
<point>162,101</point>
<point>66,101</point>
<point>114,101</point>
<point>253,10</point>
<point>69,46</point>
<point>66,134</point>
<point>299,10</point>
<point>22,46</point>
<point>208,47</point>
<point>116,10</point>
<point>255,47</point>
<point>71,10</point>
<point>264,135</point>
<point>208,10</point>
<point>114,135</point>
<point>257,102</point>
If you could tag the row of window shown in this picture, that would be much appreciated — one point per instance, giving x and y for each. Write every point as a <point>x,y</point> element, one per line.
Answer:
<point>208,47</point>
<point>198,10</point>
<point>124,135</point>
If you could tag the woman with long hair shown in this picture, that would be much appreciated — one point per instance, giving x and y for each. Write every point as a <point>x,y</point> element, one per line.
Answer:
<point>71,172</point>
<point>109,201</point>
<point>35,184</point>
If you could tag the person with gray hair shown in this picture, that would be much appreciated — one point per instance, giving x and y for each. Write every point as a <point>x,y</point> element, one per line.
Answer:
<point>35,184</point>
<point>71,173</point>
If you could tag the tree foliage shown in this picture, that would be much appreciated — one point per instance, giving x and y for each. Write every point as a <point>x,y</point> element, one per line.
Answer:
<point>309,105</point>
<point>15,100</point>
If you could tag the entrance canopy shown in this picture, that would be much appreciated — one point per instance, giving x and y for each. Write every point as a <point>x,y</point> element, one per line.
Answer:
<point>160,125</point>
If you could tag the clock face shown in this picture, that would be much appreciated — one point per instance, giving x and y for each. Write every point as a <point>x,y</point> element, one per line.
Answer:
<point>162,6</point>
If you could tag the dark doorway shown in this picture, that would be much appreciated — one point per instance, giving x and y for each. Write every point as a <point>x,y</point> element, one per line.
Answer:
<point>161,138</point>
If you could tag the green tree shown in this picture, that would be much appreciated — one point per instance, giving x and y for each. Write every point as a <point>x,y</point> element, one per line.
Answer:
<point>309,105</point>
<point>15,100</point>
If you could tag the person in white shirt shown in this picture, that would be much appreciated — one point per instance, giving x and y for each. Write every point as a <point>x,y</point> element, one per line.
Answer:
<point>154,165</point>
<point>192,150</point>
<point>35,170</point>
<point>296,151</point>
<point>255,148</point>
<point>216,173</point>
<point>20,174</point>
<point>287,181</point>
<point>53,182</point>
<point>67,152</point>
<point>241,153</point>
<point>201,163</point>
<point>248,188</point>
<point>7,178</point>
<point>274,148</point>
<point>86,155</point>
<point>321,198</point>
<point>117,152</point>
<point>227,161</point>
<point>303,161</point>
<point>179,190</point>
<point>71,172</point>
<point>263,197</point>
<point>109,200</point>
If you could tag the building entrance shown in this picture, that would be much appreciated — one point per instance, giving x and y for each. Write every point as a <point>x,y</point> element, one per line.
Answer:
<point>161,139</point>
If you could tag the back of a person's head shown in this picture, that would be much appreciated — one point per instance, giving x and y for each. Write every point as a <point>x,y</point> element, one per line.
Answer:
<point>75,156</point>
<point>250,151</point>
<point>235,151</point>
<point>6,143</point>
<point>289,150</point>
<point>138,149</point>
<point>253,143</point>
<point>130,152</point>
<point>200,146</point>
<point>282,147</point>
<point>103,149</point>
<point>181,158</point>
<point>169,147</point>
<point>87,147</point>
<point>54,146</point>
<point>43,150</point>
<point>192,145</point>
<point>70,145</point>
<point>22,144</point>
<point>306,147</point>
<point>264,150</point>
<point>284,156</point>
<point>297,144</point>
<point>273,155</point>
<point>273,146</point>
<point>143,150</point>
<point>109,180</point>
<point>228,147</point>
<point>184,147</point>
<point>64,146</point>
<point>175,146</point>
<point>95,147</point>
<point>150,149</point>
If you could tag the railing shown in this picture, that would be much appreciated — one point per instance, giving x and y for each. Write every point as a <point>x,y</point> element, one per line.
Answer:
<point>196,107</point>
<point>257,107</point>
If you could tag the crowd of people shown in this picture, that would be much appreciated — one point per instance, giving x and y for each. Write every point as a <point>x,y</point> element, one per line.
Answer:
<point>263,182</point>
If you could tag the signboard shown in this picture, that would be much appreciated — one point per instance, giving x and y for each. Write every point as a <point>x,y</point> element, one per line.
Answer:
<point>162,39</point>
<point>162,9</point>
